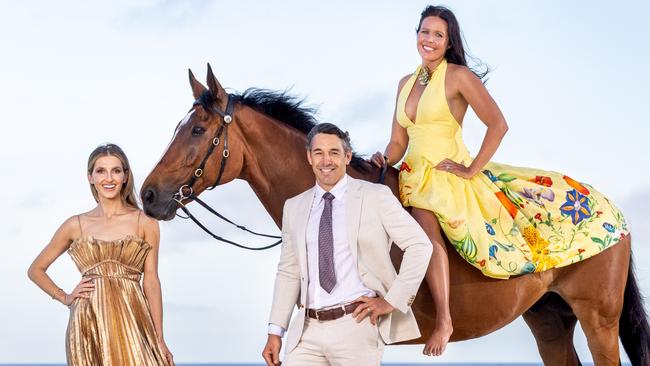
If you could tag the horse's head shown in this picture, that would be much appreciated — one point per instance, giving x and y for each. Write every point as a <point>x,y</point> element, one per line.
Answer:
<point>197,155</point>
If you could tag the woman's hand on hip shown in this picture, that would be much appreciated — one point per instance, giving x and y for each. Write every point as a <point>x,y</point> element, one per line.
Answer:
<point>453,167</point>
<point>83,290</point>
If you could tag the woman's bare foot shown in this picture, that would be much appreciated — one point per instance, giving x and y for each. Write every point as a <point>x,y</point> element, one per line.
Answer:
<point>438,340</point>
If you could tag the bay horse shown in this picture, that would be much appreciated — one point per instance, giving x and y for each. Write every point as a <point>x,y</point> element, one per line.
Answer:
<point>264,133</point>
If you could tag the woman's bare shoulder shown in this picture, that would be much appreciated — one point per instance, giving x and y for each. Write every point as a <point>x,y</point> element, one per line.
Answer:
<point>461,73</point>
<point>403,80</point>
<point>148,223</point>
<point>70,228</point>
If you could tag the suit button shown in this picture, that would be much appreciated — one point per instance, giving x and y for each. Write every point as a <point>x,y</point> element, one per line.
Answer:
<point>411,299</point>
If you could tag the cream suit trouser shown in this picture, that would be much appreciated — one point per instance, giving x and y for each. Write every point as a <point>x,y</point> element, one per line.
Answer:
<point>340,342</point>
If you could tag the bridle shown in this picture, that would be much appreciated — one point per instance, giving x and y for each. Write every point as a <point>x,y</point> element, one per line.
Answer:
<point>186,191</point>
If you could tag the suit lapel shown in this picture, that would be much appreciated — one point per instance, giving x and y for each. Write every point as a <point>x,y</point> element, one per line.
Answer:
<point>353,215</point>
<point>302,220</point>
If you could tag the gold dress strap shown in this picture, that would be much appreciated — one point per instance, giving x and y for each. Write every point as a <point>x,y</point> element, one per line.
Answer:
<point>137,228</point>
<point>81,232</point>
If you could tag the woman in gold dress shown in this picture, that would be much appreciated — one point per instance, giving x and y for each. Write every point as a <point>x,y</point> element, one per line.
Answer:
<point>503,220</point>
<point>113,320</point>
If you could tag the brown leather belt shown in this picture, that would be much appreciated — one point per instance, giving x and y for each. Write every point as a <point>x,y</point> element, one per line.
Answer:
<point>334,313</point>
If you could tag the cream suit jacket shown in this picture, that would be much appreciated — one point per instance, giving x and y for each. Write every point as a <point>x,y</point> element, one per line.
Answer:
<point>375,219</point>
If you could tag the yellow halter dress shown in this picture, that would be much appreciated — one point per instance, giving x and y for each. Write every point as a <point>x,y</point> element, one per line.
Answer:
<point>506,220</point>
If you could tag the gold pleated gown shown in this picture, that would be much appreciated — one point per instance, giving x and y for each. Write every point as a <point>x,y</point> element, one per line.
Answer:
<point>114,326</point>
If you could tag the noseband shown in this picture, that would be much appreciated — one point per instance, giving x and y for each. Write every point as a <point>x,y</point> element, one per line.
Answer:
<point>186,191</point>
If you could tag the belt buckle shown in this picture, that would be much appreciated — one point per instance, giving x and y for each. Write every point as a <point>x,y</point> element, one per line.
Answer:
<point>342,307</point>
<point>317,316</point>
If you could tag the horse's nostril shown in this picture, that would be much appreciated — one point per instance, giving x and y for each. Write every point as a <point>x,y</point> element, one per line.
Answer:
<point>149,196</point>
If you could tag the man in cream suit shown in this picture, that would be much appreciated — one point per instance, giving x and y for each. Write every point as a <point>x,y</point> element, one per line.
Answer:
<point>335,266</point>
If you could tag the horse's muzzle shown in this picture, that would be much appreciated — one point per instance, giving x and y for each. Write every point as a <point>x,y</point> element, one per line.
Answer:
<point>160,207</point>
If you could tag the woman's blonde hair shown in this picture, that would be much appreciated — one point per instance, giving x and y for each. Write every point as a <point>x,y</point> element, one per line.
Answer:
<point>127,193</point>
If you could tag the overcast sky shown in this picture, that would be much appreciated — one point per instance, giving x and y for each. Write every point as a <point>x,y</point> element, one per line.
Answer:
<point>570,77</point>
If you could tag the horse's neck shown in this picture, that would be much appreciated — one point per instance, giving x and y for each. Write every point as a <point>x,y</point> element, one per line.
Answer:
<point>275,164</point>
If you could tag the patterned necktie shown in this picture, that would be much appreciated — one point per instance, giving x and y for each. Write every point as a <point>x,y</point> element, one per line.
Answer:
<point>326,247</point>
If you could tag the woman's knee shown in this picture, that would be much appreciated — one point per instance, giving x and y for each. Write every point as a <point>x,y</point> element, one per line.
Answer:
<point>429,224</point>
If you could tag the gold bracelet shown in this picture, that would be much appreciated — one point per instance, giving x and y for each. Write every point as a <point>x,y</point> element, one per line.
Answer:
<point>386,159</point>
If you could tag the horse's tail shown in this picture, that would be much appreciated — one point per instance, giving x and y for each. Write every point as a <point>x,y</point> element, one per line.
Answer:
<point>633,325</point>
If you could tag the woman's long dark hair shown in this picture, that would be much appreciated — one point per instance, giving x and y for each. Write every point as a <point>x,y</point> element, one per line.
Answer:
<point>456,52</point>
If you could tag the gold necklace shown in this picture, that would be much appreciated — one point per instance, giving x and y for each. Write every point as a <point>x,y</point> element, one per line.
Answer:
<point>424,75</point>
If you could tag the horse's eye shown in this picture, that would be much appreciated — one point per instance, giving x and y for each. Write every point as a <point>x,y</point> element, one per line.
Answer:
<point>198,131</point>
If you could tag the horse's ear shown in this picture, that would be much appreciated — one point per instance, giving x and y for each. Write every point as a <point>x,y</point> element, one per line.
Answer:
<point>197,88</point>
<point>218,92</point>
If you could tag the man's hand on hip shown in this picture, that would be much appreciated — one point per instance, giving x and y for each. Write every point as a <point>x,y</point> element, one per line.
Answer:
<point>374,307</point>
<point>271,352</point>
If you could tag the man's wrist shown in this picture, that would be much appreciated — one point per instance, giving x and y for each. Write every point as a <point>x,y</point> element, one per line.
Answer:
<point>389,305</point>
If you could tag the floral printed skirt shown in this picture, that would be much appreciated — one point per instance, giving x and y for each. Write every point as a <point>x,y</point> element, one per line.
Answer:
<point>510,220</point>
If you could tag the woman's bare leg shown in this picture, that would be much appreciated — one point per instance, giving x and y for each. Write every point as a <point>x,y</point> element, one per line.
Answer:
<point>437,278</point>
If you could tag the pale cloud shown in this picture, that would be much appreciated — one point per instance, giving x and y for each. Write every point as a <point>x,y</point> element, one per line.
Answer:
<point>166,16</point>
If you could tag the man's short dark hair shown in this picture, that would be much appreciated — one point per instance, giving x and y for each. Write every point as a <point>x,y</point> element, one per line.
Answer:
<point>330,129</point>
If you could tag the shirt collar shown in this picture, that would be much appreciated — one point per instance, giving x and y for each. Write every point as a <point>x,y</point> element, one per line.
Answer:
<point>338,190</point>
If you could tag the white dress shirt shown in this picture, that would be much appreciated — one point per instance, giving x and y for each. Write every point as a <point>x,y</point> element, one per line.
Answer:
<point>348,283</point>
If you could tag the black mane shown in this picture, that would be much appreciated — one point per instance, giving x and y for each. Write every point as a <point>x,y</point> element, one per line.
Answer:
<point>287,109</point>
<point>280,105</point>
